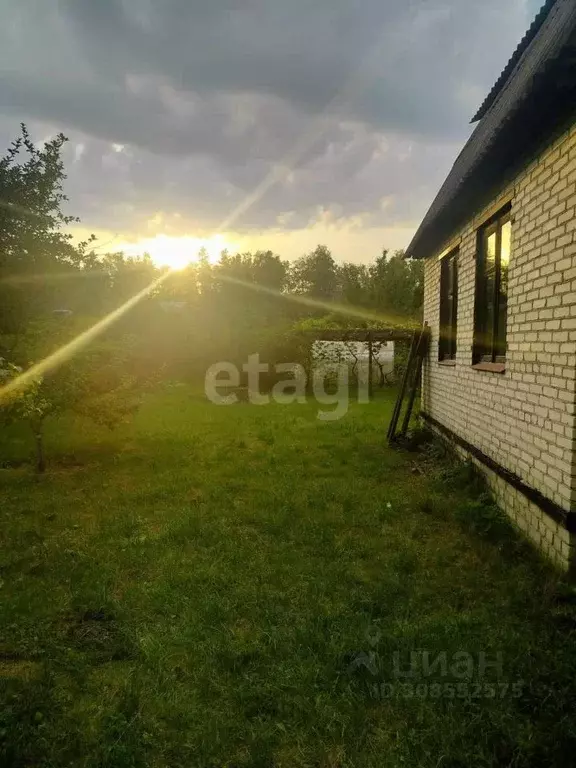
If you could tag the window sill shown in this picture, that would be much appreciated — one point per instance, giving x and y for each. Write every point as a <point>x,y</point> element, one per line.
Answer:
<point>492,367</point>
<point>447,363</point>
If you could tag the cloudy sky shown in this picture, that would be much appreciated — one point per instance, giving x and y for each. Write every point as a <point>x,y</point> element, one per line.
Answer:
<point>276,123</point>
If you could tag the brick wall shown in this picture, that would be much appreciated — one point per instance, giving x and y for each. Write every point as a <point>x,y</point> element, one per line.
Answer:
<point>524,419</point>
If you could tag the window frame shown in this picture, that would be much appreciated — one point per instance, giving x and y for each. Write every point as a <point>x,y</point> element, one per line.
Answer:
<point>448,321</point>
<point>486,353</point>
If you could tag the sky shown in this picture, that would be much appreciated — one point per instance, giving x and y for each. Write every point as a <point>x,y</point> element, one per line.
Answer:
<point>257,124</point>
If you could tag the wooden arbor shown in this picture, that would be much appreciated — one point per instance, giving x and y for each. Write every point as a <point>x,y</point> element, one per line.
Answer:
<point>419,341</point>
<point>367,335</point>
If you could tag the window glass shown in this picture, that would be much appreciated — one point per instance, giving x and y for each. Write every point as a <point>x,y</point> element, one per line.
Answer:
<point>489,285</point>
<point>448,306</point>
<point>491,308</point>
<point>506,235</point>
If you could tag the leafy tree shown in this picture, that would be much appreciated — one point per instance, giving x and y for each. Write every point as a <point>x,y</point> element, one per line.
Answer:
<point>416,267</point>
<point>315,275</point>
<point>31,241</point>
<point>354,284</point>
<point>26,405</point>
<point>261,268</point>
<point>100,384</point>
<point>396,284</point>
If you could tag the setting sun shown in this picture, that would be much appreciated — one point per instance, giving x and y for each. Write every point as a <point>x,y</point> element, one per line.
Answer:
<point>178,252</point>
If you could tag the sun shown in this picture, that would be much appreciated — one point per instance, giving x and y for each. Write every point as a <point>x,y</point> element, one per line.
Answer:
<point>177,252</point>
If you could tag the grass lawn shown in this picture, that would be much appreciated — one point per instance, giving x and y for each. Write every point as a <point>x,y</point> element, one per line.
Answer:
<point>236,587</point>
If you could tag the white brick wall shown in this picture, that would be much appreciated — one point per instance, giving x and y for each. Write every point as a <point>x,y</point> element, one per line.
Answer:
<point>524,418</point>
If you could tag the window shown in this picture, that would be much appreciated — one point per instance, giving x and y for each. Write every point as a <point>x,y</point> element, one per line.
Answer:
<point>492,289</point>
<point>448,306</point>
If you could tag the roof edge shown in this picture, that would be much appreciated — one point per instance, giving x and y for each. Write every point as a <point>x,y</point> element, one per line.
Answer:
<point>514,60</point>
<point>531,73</point>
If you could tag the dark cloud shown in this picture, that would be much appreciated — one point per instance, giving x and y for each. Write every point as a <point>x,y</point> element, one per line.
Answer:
<point>208,98</point>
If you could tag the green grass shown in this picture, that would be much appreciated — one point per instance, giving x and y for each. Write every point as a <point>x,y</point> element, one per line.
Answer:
<point>200,587</point>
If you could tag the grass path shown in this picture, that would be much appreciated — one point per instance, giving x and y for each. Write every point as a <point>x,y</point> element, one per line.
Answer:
<point>215,587</point>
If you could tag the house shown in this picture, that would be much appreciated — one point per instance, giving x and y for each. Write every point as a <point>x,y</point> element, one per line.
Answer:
<point>499,244</point>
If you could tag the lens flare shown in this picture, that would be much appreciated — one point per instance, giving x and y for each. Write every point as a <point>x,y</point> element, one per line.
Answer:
<point>69,350</point>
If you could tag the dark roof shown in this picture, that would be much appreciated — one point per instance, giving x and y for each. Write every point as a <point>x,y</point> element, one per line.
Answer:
<point>514,59</point>
<point>534,97</point>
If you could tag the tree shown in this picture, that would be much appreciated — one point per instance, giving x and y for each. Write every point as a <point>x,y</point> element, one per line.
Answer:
<point>315,275</point>
<point>100,384</point>
<point>396,285</point>
<point>354,284</point>
<point>27,405</point>
<point>31,217</point>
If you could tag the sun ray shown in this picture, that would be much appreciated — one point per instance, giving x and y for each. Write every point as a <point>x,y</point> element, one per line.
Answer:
<point>67,351</point>
<point>175,261</point>
<point>331,307</point>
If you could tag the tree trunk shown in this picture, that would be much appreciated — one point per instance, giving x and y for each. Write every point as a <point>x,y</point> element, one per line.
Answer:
<point>381,374</point>
<point>355,363</point>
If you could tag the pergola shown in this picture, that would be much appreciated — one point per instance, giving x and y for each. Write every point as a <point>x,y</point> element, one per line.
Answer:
<point>419,339</point>
<point>362,334</point>
<point>367,335</point>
